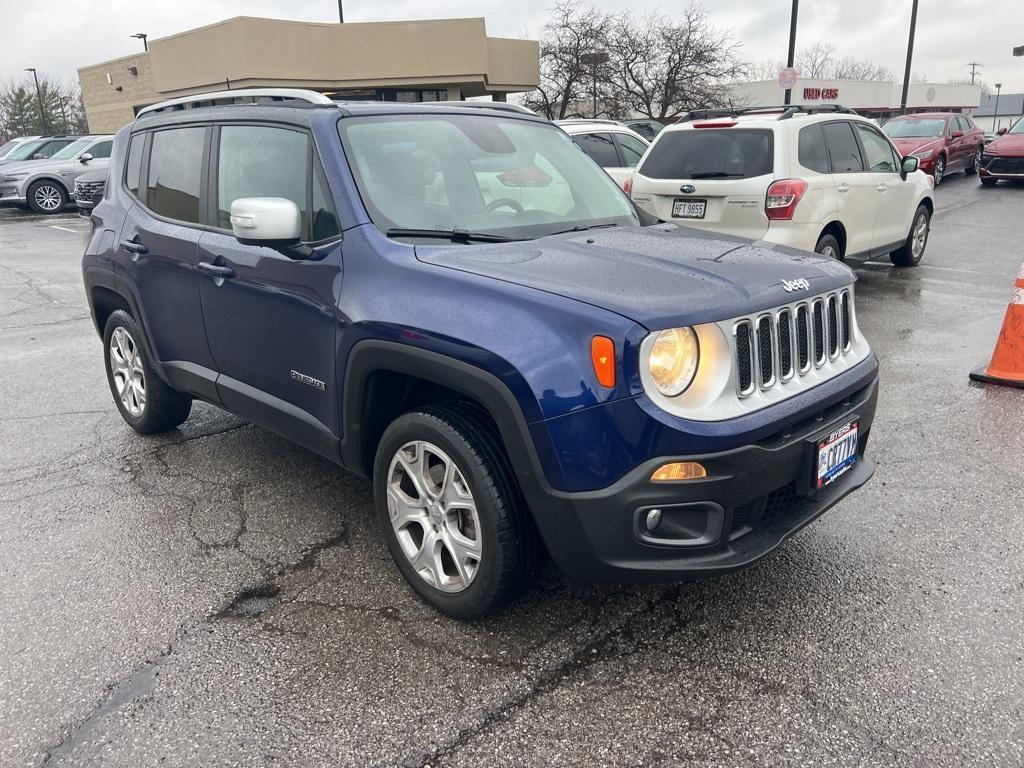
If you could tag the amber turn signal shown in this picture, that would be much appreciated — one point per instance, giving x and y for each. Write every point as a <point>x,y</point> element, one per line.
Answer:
<point>602,354</point>
<point>679,470</point>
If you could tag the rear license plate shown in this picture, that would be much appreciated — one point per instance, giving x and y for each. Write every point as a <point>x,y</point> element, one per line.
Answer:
<point>689,209</point>
<point>837,453</point>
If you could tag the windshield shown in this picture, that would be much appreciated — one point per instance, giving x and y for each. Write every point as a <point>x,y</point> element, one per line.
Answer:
<point>906,129</point>
<point>479,175</point>
<point>709,153</point>
<point>5,148</point>
<point>25,151</point>
<point>1018,127</point>
<point>72,149</point>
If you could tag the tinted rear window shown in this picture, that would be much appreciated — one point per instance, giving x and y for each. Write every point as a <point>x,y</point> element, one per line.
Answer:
<point>843,148</point>
<point>175,164</point>
<point>711,153</point>
<point>812,149</point>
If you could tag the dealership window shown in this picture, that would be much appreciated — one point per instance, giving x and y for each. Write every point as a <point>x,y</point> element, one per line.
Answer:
<point>175,173</point>
<point>842,147</point>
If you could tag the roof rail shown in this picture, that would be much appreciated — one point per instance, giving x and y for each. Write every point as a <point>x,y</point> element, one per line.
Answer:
<point>241,96</point>
<point>787,110</point>
<point>502,106</point>
<point>574,120</point>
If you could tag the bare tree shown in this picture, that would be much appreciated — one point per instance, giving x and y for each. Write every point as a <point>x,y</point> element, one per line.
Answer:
<point>850,68</point>
<point>766,69</point>
<point>816,61</point>
<point>661,67</point>
<point>985,90</point>
<point>566,79</point>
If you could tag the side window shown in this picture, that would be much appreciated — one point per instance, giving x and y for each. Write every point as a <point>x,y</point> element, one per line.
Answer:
<point>877,150</point>
<point>965,124</point>
<point>260,161</point>
<point>325,220</point>
<point>600,147</point>
<point>133,165</point>
<point>175,173</point>
<point>632,148</point>
<point>812,154</point>
<point>51,148</point>
<point>101,149</point>
<point>842,147</point>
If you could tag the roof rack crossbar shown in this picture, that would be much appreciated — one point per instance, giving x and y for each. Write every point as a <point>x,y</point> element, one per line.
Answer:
<point>502,106</point>
<point>237,97</point>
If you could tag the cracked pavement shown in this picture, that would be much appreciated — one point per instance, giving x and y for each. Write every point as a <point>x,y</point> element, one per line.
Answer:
<point>218,596</point>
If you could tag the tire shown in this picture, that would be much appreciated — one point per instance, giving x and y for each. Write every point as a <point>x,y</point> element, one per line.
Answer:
<point>46,196</point>
<point>972,169</point>
<point>940,169</point>
<point>989,182</point>
<point>149,405</point>
<point>828,246</point>
<point>909,254</point>
<point>500,550</point>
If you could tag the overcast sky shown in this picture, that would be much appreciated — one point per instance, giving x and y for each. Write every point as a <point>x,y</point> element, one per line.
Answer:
<point>59,36</point>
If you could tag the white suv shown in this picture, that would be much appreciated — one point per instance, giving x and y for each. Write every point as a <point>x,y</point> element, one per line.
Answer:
<point>829,182</point>
<point>612,145</point>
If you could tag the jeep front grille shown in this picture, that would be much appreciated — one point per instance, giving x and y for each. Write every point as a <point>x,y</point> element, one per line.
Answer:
<point>789,342</point>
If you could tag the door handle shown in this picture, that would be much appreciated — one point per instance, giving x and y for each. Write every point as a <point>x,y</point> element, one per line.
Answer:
<point>133,247</point>
<point>215,270</point>
<point>882,187</point>
<point>843,187</point>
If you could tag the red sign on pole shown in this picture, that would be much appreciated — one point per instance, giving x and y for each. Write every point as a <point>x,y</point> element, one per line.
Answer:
<point>788,77</point>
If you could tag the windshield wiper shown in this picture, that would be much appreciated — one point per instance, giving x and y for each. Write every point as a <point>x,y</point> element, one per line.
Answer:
<point>713,175</point>
<point>585,227</point>
<point>455,235</point>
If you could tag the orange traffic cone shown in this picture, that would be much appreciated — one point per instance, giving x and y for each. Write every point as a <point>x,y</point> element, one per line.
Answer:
<point>1007,366</point>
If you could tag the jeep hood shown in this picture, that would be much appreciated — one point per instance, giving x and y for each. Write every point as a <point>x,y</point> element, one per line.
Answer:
<point>657,276</point>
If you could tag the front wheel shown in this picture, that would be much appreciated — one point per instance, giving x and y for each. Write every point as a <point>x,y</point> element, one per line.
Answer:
<point>448,506</point>
<point>912,250</point>
<point>46,197</point>
<point>828,247</point>
<point>972,169</point>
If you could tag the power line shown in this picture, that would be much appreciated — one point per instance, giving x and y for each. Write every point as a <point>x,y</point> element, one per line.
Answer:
<point>974,69</point>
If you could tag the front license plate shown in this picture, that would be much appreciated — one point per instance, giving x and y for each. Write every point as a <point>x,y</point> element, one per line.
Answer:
<point>837,453</point>
<point>689,209</point>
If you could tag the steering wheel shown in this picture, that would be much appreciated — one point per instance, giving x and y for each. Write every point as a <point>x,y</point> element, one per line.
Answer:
<point>504,202</point>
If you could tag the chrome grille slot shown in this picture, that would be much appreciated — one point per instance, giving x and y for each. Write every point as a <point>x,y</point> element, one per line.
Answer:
<point>846,320</point>
<point>818,332</point>
<point>765,351</point>
<point>833,325</point>
<point>803,339</point>
<point>744,358</point>
<point>784,325</point>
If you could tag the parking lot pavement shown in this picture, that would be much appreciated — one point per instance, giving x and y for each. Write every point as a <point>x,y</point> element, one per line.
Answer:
<point>219,596</point>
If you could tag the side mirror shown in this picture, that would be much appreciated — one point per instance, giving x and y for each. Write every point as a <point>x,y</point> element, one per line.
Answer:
<point>85,157</point>
<point>38,156</point>
<point>273,222</point>
<point>1000,132</point>
<point>956,135</point>
<point>909,165</point>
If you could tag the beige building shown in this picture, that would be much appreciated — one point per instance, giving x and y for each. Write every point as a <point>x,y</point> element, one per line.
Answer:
<point>446,59</point>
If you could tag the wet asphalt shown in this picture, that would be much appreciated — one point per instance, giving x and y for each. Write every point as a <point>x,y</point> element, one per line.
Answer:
<point>218,596</point>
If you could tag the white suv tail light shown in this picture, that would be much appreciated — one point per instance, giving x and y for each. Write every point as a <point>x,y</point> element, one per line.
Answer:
<point>783,197</point>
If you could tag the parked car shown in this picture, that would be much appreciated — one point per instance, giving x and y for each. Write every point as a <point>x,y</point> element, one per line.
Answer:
<point>518,374</point>
<point>40,148</point>
<point>943,142</point>
<point>646,128</point>
<point>89,189</point>
<point>8,147</point>
<point>45,186</point>
<point>823,181</point>
<point>613,146</point>
<point>1004,157</point>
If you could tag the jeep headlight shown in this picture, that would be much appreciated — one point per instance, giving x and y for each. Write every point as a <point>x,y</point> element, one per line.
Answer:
<point>673,360</point>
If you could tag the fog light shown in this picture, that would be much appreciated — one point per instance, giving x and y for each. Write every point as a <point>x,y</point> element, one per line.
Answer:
<point>653,518</point>
<point>679,470</point>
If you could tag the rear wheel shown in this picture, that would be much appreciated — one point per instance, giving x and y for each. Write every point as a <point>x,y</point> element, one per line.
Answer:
<point>940,170</point>
<point>46,197</point>
<point>972,169</point>
<point>828,246</point>
<point>455,523</point>
<point>912,251</point>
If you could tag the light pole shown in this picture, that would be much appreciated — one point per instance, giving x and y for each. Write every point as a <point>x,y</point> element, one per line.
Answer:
<point>341,13</point>
<point>910,58</point>
<point>141,36</point>
<point>39,95</point>
<point>995,110</point>
<point>790,58</point>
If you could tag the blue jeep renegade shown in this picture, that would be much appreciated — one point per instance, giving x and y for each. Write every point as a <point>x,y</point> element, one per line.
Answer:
<point>459,304</point>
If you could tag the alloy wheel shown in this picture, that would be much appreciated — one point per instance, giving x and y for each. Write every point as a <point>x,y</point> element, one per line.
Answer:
<point>47,197</point>
<point>940,167</point>
<point>434,516</point>
<point>129,376</point>
<point>828,252</point>
<point>920,236</point>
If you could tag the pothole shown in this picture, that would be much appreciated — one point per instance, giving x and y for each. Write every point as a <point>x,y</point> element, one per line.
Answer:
<point>252,601</point>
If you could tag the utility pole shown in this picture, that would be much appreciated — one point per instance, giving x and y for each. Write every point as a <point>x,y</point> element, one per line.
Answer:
<point>791,57</point>
<point>974,67</point>
<point>63,114</point>
<point>341,13</point>
<point>910,58</point>
<point>39,95</point>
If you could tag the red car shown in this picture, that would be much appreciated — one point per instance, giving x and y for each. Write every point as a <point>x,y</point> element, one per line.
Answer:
<point>942,142</point>
<point>1004,157</point>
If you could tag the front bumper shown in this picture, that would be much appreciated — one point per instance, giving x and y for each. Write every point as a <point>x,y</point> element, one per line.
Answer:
<point>1008,167</point>
<point>12,193</point>
<point>754,498</point>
